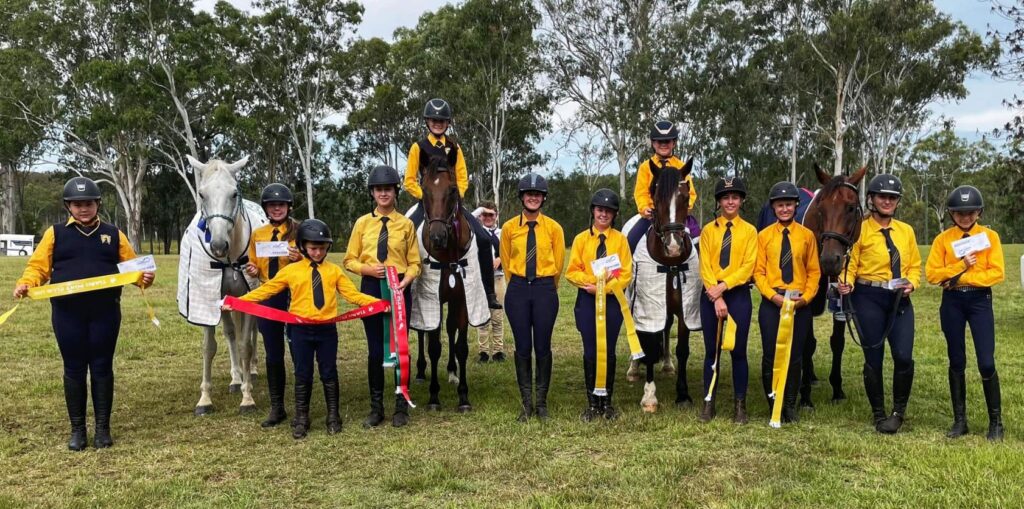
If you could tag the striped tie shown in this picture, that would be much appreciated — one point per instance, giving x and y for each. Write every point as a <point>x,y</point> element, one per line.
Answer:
<point>724,255</point>
<point>786,258</point>
<point>275,264</point>
<point>602,250</point>
<point>318,287</point>
<point>894,254</point>
<point>531,251</point>
<point>382,240</point>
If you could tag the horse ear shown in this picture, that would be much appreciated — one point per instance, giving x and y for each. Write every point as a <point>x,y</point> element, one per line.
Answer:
<point>685,170</point>
<point>237,165</point>
<point>822,176</point>
<point>194,162</point>
<point>857,175</point>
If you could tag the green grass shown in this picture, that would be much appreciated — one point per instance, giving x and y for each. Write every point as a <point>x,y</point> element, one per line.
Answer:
<point>165,456</point>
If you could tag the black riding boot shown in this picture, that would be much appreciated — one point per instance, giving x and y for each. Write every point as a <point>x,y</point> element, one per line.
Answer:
<point>543,382</point>
<point>275,387</point>
<point>789,407</point>
<point>376,379</point>
<point>589,375</point>
<point>300,424</point>
<point>605,403</point>
<point>102,403</point>
<point>331,397</point>
<point>876,395</point>
<point>524,377</point>
<point>958,396</point>
<point>75,397</point>
<point>401,417</point>
<point>683,398</point>
<point>993,399</point>
<point>807,377</point>
<point>902,381</point>
<point>766,383</point>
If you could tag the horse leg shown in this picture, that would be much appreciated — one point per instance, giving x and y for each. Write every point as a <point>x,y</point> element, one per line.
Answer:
<point>255,349</point>
<point>651,343</point>
<point>434,345</point>
<point>460,325</point>
<point>633,373</point>
<point>453,366</point>
<point>228,326</point>
<point>807,372</point>
<point>245,356</point>
<point>667,366</point>
<point>838,343</point>
<point>205,404</point>
<point>421,359</point>
<point>682,356</point>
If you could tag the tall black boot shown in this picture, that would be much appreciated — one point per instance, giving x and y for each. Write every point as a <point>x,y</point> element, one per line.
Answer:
<point>401,417</point>
<point>958,396</point>
<point>102,403</point>
<point>807,377</point>
<point>683,399</point>
<point>789,407</point>
<point>276,378</point>
<point>375,375</point>
<point>876,395</point>
<point>300,423</point>
<point>331,397</point>
<point>543,382</point>
<point>589,376</point>
<point>766,382</point>
<point>524,377</point>
<point>75,397</point>
<point>994,400</point>
<point>605,404</point>
<point>902,381</point>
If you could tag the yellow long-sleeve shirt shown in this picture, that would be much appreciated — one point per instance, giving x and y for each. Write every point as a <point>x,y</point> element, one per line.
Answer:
<point>298,278</point>
<point>644,176</point>
<point>806,269</point>
<point>742,255</point>
<point>550,246</point>
<point>264,234</point>
<point>584,251</point>
<point>40,264</point>
<point>412,169</point>
<point>403,248</point>
<point>869,258</point>
<point>942,264</point>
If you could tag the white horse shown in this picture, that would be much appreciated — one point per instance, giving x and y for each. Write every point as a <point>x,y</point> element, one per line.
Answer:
<point>227,225</point>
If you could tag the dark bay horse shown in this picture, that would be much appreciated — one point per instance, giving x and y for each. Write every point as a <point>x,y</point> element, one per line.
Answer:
<point>446,238</point>
<point>670,247</point>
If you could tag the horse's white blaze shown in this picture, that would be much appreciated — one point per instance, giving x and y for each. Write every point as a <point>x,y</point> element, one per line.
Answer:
<point>673,246</point>
<point>436,180</point>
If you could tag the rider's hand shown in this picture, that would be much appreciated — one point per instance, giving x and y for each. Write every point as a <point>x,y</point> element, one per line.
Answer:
<point>647,213</point>
<point>406,281</point>
<point>721,310</point>
<point>907,290</point>
<point>715,292</point>
<point>801,302</point>
<point>293,254</point>
<point>778,300</point>
<point>970,259</point>
<point>376,270</point>
<point>251,269</point>
<point>844,289</point>
<point>147,279</point>
<point>497,263</point>
<point>20,291</point>
<point>591,289</point>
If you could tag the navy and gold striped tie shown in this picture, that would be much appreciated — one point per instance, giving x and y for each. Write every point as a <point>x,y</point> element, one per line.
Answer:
<point>274,264</point>
<point>318,287</point>
<point>894,254</point>
<point>382,240</point>
<point>531,251</point>
<point>602,249</point>
<point>786,258</point>
<point>724,256</point>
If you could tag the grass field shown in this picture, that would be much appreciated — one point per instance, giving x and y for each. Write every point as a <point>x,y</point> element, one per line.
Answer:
<point>164,456</point>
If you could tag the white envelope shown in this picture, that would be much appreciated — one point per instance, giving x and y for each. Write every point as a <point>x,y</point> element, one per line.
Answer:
<point>272,249</point>
<point>143,263</point>
<point>609,264</point>
<point>972,244</point>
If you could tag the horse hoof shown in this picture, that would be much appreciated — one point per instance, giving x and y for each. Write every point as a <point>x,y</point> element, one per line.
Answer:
<point>464,408</point>
<point>684,403</point>
<point>419,380</point>
<point>632,378</point>
<point>453,378</point>
<point>246,409</point>
<point>838,396</point>
<point>650,408</point>
<point>233,388</point>
<point>668,370</point>
<point>434,407</point>
<point>203,410</point>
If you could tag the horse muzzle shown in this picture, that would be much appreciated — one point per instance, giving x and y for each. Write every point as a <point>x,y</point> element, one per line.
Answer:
<point>219,248</point>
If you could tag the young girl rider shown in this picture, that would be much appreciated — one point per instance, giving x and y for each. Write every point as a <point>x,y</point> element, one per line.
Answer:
<point>383,238</point>
<point>967,283</point>
<point>276,200</point>
<point>729,252</point>
<point>596,242</point>
<point>87,324</point>
<point>664,136</point>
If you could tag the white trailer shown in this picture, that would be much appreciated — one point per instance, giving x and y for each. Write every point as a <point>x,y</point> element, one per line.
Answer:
<point>16,245</point>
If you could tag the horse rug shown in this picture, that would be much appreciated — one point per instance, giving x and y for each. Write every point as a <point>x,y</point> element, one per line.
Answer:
<point>647,292</point>
<point>199,273</point>
<point>425,314</point>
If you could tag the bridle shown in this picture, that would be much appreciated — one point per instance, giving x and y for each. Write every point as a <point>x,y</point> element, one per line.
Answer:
<point>853,218</point>
<point>450,222</point>
<point>203,225</point>
<point>663,231</point>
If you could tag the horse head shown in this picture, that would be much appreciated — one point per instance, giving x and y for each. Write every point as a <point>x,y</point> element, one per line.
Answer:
<point>440,206</point>
<point>835,217</point>
<point>220,201</point>
<point>671,194</point>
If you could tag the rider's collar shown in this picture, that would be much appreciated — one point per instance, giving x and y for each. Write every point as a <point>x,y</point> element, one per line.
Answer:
<point>434,139</point>
<point>522,216</point>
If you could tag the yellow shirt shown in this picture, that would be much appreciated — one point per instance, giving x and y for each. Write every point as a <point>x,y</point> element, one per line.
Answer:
<point>742,255</point>
<point>40,265</point>
<point>412,169</point>
<point>584,251</point>
<point>642,191</point>
<point>869,258</point>
<point>550,246</point>
<point>942,264</point>
<point>403,249</point>
<point>806,270</point>
<point>264,234</point>
<point>298,277</point>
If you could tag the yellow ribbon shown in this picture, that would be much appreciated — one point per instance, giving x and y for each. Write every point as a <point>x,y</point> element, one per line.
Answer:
<point>729,334</point>
<point>601,340</point>
<point>5,316</point>
<point>725,340</point>
<point>90,284</point>
<point>783,349</point>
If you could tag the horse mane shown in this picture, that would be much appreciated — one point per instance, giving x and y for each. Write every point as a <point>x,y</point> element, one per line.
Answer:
<point>664,186</point>
<point>830,187</point>
<point>436,164</point>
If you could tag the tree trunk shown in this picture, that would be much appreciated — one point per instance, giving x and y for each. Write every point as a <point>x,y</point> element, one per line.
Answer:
<point>793,149</point>
<point>838,122</point>
<point>8,199</point>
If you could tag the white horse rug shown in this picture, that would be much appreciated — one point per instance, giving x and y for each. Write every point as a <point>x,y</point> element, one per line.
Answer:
<point>647,291</point>
<point>425,314</point>
<point>199,276</point>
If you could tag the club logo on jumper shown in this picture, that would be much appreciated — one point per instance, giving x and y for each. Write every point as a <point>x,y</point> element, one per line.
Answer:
<point>104,238</point>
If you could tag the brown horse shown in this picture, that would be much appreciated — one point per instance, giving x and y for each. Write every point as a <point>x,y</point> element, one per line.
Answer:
<point>670,246</point>
<point>446,238</point>
<point>835,216</point>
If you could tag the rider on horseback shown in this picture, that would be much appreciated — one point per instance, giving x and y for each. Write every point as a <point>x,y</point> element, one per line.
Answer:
<point>664,135</point>
<point>438,115</point>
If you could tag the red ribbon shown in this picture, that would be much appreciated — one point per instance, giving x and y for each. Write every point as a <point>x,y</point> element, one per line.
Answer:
<point>277,315</point>
<point>399,333</point>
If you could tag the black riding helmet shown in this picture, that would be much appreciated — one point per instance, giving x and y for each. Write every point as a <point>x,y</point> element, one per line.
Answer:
<point>605,198</point>
<point>437,109</point>
<point>965,199</point>
<point>532,182</point>
<point>383,175</point>
<point>313,230</point>
<point>885,183</point>
<point>276,193</point>
<point>783,191</point>
<point>730,185</point>
<point>81,189</point>
<point>664,130</point>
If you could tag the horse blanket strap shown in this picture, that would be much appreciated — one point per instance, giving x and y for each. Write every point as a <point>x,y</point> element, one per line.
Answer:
<point>679,271</point>
<point>277,315</point>
<point>780,369</point>
<point>398,332</point>
<point>462,264</point>
<point>236,265</point>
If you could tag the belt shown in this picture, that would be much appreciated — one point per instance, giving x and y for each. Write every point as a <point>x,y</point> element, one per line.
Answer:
<point>876,284</point>
<point>967,289</point>
<point>538,279</point>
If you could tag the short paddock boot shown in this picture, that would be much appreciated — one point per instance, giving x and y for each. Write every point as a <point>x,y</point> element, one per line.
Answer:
<point>275,390</point>
<point>75,397</point>
<point>741,412</point>
<point>524,377</point>
<point>102,404</point>
<point>993,399</point>
<point>300,423</point>
<point>958,396</point>
<point>543,383</point>
<point>707,413</point>
<point>331,397</point>
<point>902,381</point>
